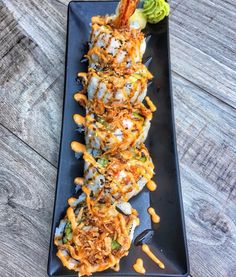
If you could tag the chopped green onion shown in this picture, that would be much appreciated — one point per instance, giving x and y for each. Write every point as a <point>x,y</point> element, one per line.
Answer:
<point>115,245</point>
<point>102,121</point>
<point>137,115</point>
<point>103,161</point>
<point>68,229</point>
<point>67,232</point>
<point>137,75</point>
<point>143,159</point>
<point>69,237</point>
<point>64,240</point>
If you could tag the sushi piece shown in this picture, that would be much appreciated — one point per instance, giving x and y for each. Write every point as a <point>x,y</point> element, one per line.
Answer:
<point>119,49</point>
<point>113,127</point>
<point>94,237</point>
<point>115,177</point>
<point>117,126</point>
<point>108,87</point>
<point>120,176</point>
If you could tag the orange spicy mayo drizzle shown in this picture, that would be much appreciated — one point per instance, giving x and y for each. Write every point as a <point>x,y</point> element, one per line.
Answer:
<point>79,119</point>
<point>64,259</point>
<point>81,98</point>
<point>138,266</point>
<point>155,217</point>
<point>147,251</point>
<point>71,200</point>
<point>79,181</point>
<point>71,217</point>
<point>150,104</point>
<point>151,186</point>
<point>77,147</point>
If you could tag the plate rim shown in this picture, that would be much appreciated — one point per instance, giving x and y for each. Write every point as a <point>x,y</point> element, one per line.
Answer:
<point>180,196</point>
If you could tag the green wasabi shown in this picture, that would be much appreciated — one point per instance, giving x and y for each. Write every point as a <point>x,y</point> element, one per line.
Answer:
<point>155,10</point>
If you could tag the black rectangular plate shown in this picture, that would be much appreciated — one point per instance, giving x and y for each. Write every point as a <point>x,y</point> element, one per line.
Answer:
<point>169,241</point>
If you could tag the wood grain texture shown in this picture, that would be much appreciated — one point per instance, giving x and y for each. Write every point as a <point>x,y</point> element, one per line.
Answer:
<point>207,154</point>
<point>32,47</point>
<point>32,66</point>
<point>203,48</point>
<point>26,203</point>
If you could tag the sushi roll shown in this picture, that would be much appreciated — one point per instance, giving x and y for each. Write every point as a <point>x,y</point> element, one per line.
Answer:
<point>99,224</point>
<point>119,49</point>
<point>94,237</point>
<point>118,177</point>
<point>109,87</point>
<point>117,126</point>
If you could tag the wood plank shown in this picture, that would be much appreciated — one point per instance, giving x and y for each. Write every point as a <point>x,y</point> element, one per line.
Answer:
<point>26,203</point>
<point>206,131</point>
<point>203,40</point>
<point>211,227</point>
<point>199,25</point>
<point>64,2</point>
<point>32,67</point>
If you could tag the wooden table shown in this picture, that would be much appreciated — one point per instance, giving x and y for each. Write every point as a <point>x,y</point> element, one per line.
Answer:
<point>203,52</point>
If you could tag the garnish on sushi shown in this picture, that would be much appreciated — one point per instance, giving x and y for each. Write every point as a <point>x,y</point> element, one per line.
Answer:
<point>153,11</point>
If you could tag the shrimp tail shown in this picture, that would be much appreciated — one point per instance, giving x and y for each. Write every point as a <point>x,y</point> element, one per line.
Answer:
<point>126,9</point>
